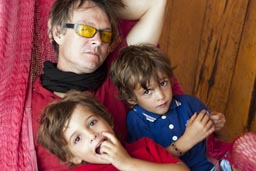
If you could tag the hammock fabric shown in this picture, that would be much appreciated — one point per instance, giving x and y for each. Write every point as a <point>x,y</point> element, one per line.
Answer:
<point>24,40</point>
<point>16,35</point>
<point>243,154</point>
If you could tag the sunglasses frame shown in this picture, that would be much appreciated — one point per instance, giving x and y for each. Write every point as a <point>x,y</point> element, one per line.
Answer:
<point>103,33</point>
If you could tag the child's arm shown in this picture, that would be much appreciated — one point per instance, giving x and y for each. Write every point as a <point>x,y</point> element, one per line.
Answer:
<point>198,128</point>
<point>113,152</point>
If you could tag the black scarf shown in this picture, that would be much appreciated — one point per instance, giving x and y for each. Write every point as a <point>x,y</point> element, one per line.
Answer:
<point>59,81</point>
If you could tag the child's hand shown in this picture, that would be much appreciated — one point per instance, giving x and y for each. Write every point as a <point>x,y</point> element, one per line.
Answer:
<point>199,127</point>
<point>112,150</point>
<point>218,120</point>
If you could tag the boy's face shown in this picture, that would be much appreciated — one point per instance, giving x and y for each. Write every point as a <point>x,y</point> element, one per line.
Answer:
<point>157,97</point>
<point>80,54</point>
<point>84,135</point>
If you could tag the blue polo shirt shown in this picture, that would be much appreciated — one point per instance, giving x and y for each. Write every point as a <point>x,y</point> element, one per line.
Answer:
<point>164,129</point>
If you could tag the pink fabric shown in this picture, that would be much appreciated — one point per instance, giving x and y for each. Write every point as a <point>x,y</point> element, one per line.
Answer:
<point>42,47</point>
<point>16,36</point>
<point>218,150</point>
<point>243,153</point>
<point>176,87</point>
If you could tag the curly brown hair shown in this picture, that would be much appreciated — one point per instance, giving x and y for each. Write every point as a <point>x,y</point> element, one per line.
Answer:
<point>57,115</point>
<point>137,64</point>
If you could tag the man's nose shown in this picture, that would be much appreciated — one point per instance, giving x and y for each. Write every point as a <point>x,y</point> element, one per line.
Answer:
<point>96,39</point>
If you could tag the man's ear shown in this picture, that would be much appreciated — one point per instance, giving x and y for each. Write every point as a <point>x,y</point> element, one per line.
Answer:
<point>76,160</point>
<point>58,35</point>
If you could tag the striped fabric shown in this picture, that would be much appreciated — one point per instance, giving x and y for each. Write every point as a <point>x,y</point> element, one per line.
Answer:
<point>23,37</point>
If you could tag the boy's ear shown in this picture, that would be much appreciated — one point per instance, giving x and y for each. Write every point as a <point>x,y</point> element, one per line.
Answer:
<point>132,101</point>
<point>76,160</point>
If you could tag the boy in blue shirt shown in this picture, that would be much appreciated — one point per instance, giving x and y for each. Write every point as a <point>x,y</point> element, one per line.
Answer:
<point>181,124</point>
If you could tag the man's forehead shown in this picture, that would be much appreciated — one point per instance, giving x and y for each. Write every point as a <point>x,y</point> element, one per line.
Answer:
<point>89,7</point>
<point>85,5</point>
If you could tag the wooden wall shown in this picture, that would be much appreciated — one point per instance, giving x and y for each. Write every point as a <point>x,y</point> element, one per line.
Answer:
<point>213,46</point>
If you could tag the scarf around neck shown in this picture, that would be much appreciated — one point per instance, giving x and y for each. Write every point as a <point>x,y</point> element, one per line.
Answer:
<point>56,80</point>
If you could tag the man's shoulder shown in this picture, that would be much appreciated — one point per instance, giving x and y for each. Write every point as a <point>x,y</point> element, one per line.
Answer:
<point>40,95</point>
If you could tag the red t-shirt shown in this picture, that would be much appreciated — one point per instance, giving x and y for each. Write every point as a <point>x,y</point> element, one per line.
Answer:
<point>144,149</point>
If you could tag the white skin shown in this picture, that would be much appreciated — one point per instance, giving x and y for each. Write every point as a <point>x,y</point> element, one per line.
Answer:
<point>87,131</point>
<point>84,135</point>
<point>84,55</point>
<point>79,54</point>
<point>151,17</point>
<point>157,98</point>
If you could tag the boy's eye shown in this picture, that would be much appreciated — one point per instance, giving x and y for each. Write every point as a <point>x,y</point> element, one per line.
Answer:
<point>93,122</point>
<point>77,139</point>
<point>163,83</point>
<point>146,91</point>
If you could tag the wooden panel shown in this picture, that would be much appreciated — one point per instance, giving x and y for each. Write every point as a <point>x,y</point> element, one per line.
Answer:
<point>181,37</point>
<point>242,100</point>
<point>212,43</point>
<point>223,26</point>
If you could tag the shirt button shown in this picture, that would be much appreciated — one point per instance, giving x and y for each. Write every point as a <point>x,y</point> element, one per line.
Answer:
<point>174,138</point>
<point>171,126</point>
<point>163,117</point>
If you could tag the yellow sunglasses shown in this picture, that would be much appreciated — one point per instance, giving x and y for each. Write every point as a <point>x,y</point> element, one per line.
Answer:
<point>89,32</point>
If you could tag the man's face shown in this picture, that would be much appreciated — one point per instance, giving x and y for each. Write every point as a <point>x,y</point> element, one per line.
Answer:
<point>79,54</point>
<point>84,135</point>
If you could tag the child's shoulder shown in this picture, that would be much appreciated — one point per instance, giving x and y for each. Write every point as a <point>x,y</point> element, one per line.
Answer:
<point>189,100</point>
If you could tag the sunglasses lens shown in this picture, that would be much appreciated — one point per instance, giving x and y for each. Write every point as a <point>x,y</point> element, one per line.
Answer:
<point>85,31</point>
<point>106,36</point>
<point>89,32</point>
